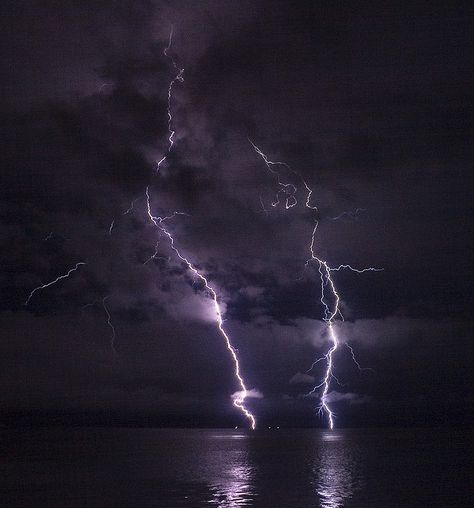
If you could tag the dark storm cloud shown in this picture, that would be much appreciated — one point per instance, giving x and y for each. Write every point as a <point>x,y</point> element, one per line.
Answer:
<point>367,103</point>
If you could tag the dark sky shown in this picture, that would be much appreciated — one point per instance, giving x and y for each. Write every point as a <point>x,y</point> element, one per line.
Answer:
<point>368,101</point>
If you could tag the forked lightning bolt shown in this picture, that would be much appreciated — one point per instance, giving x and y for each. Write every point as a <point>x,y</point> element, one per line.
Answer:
<point>57,279</point>
<point>329,298</point>
<point>239,399</point>
<point>285,188</point>
<point>178,77</point>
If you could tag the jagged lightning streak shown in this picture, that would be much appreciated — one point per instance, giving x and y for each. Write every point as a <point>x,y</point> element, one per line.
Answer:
<point>131,207</point>
<point>285,188</point>
<point>110,324</point>
<point>356,270</point>
<point>159,222</point>
<point>350,215</point>
<point>329,298</point>
<point>155,254</point>
<point>239,398</point>
<point>126,212</point>
<point>108,316</point>
<point>329,317</point>
<point>57,279</point>
<point>178,77</point>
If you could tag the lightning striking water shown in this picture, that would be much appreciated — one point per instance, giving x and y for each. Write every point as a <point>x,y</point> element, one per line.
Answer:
<point>178,77</point>
<point>57,279</point>
<point>329,317</point>
<point>239,398</point>
<point>159,222</point>
<point>329,298</point>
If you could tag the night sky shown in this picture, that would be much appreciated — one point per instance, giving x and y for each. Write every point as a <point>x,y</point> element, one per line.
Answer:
<point>368,101</point>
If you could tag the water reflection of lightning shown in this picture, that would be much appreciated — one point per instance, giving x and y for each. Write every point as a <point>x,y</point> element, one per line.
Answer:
<point>178,77</point>
<point>329,298</point>
<point>57,279</point>
<point>239,398</point>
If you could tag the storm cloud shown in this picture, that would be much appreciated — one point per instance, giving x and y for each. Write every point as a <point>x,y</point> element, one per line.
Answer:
<point>367,104</point>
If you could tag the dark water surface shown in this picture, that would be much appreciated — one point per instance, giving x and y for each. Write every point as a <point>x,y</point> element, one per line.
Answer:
<point>91,467</point>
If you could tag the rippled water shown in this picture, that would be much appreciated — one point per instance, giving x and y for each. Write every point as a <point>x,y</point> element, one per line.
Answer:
<point>234,468</point>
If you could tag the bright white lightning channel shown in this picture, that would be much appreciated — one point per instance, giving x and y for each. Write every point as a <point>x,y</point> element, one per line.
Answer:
<point>178,77</point>
<point>57,279</point>
<point>113,335</point>
<point>330,298</point>
<point>239,397</point>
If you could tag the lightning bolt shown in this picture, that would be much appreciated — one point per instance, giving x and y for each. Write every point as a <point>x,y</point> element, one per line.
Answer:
<point>239,398</point>
<point>57,279</point>
<point>356,270</point>
<point>108,317</point>
<point>329,316</point>
<point>285,188</point>
<point>131,207</point>
<point>155,254</point>
<point>178,77</point>
<point>349,215</point>
<point>110,324</point>
<point>329,296</point>
<point>126,212</point>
